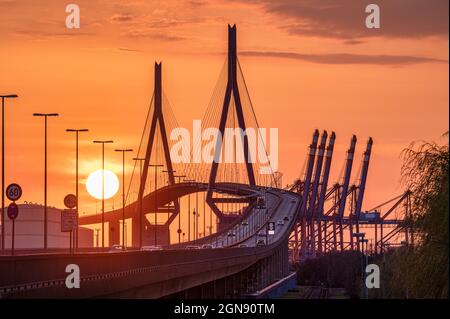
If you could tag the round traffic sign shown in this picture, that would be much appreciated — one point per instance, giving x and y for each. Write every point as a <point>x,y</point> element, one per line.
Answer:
<point>13,211</point>
<point>13,192</point>
<point>70,201</point>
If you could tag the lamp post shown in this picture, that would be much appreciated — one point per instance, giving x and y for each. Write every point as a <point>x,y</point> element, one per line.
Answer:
<point>45,115</point>
<point>196,221</point>
<point>360,238</point>
<point>365,258</point>
<point>156,197</point>
<point>189,208</point>
<point>77,131</point>
<point>103,187</point>
<point>7,96</point>
<point>123,151</point>
<point>140,199</point>
<point>96,237</point>
<point>179,213</point>
<point>168,181</point>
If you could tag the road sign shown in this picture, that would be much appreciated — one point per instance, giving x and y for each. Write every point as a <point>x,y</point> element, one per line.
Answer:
<point>13,192</point>
<point>69,220</point>
<point>70,201</point>
<point>271,228</point>
<point>13,211</point>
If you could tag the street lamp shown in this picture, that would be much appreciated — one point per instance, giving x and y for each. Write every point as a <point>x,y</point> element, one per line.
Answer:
<point>140,159</point>
<point>168,181</point>
<point>156,197</point>
<point>196,221</point>
<point>7,96</point>
<point>123,193</point>
<point>365,256</point>
<point>189,208</point>
<point>179,213</point>
<point>45,115</point>
<point>77,131</point>
<point>360,238</point>
<point>103,187</point>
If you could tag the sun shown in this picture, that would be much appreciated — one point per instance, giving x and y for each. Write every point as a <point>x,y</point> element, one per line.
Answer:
<point>94,184</point>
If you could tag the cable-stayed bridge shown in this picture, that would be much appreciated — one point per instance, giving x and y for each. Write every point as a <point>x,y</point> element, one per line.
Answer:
<point>254,230</point>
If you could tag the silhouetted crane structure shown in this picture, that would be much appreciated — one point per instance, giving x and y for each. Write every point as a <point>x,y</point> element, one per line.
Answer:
<point>326,223</point>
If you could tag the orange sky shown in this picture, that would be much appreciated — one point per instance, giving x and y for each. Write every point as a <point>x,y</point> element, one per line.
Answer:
<point>307,65</point>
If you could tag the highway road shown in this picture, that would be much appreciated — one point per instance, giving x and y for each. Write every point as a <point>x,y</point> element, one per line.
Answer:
<point>153,274</point>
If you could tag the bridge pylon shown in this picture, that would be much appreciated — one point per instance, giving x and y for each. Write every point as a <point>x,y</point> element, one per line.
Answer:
<point>231,91</point>
<point>156,118</point>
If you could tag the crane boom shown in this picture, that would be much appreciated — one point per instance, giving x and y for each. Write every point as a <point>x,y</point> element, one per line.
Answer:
<point>364,171</point>
<point>348,172</point>
<point>309,169</point>
<point>326,173</point>
<point>318,170</point>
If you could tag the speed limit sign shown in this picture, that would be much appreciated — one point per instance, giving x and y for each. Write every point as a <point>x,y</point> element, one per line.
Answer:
<point>70,201</point>
<point>13,192</point>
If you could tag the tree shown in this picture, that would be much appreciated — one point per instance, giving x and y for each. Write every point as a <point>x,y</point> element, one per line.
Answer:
<point>422,271</point>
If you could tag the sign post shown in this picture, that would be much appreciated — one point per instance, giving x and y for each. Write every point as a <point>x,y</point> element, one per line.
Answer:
<point>70,201</point>
<point>270,230</point>
<point>13,212</point>
<point>13,193</point>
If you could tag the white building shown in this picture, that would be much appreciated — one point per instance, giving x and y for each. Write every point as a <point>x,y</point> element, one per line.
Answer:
<point>29,229</point>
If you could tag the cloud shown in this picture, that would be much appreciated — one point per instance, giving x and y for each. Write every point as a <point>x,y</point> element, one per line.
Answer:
<point>7,3</point>
<point>150,33</point>
<point>122,17</point>
<point>129,50</point>
<point>345,20</point>
<point>346,58</point>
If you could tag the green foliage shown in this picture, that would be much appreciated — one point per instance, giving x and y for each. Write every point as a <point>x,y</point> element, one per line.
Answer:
<point>422,271</point>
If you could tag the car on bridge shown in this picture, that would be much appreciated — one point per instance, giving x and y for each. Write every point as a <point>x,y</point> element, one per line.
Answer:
<point>243,246</point>
<point>151,248</point>
<point>116,248</point>
<point>261,242</point>
<point>260,202</point>
<point>207,246</point>
<point>244,223</point>
<point>280,223</point>
<point>192,247</point>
